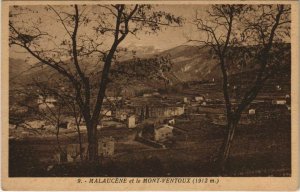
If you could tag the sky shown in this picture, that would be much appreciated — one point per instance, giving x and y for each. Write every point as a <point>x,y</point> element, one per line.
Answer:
<point>165,39</point>
<point>173,36</point>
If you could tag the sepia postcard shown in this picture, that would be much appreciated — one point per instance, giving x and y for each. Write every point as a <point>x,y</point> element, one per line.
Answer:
<point>150,95</point>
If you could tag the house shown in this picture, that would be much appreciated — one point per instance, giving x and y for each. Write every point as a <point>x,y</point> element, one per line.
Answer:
<point>199,98</point>
<point>46,102</point>
<point>163,133</point>
<point>106,112</point>
<point>156,134</point>
<point>106,147</point>
<point>169,111</point>
<point>35,124</point>
<point>131,122</point>
<point>279,102</point>
<point>160,111</point>
<point>147,95</point>
<point>175,111</point>
<point>278,87</point>
<point>170,121</point>
<point>251,111</point>
<point>185,100</point>
<point>203,103</point>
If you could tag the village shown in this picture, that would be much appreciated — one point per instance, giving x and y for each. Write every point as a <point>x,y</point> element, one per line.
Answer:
<point>144,124</point>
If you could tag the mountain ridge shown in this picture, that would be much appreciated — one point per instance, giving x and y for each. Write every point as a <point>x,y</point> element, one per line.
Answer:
<point>189,63</point>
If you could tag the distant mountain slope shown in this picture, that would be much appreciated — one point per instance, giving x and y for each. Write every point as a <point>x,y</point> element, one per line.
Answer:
<point>17,67</point>
<point>190,63</point>
<point>20,73</point>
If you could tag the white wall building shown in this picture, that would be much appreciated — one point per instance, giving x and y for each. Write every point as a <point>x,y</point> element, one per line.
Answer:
<point>185,100</point>
<point>131,122</point>
<point>106,112</point>
<point>251,111</point>
<point>46,103</point>
<point>163,133</point>
<point>199,98</point>
<point>279,102</point>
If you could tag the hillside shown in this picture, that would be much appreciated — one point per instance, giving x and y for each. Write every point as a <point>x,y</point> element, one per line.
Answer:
<point>189,63</point>
<point>18,71</point>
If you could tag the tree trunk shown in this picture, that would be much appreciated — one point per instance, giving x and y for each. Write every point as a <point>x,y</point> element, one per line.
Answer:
<point>78,121</point>
<point>227,143</point>
<point>57,139</point>
<point>92,143</point>
<point>80,142</point>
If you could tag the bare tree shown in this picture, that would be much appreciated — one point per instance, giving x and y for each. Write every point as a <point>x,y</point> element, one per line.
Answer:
<point>43,109</point>
<point>89,32</point>
<point>233,31</point>
<point>65,106</point>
